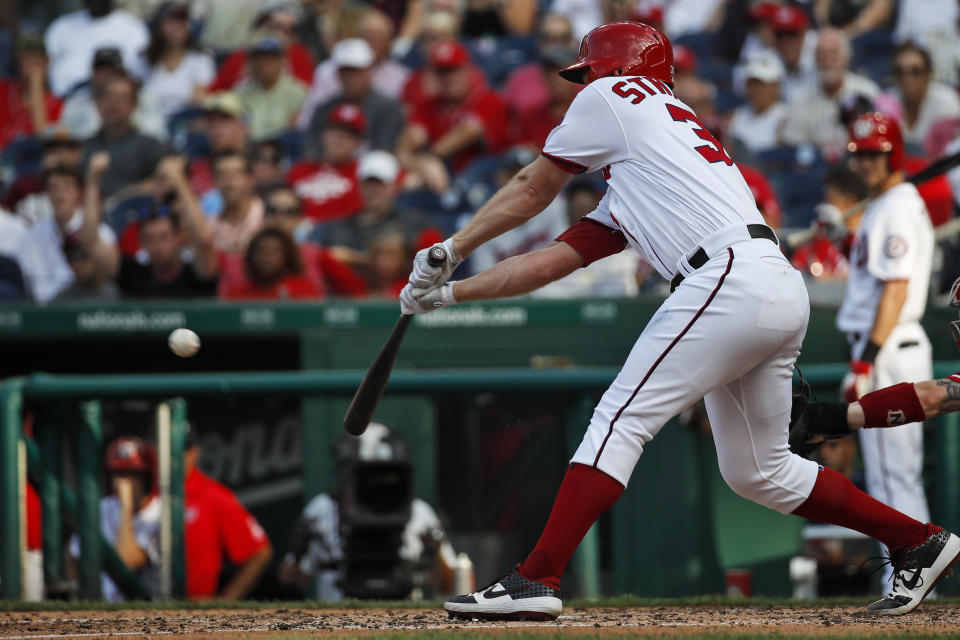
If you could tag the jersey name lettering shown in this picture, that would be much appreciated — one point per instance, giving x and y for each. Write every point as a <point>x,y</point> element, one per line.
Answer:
<point>624,90</point>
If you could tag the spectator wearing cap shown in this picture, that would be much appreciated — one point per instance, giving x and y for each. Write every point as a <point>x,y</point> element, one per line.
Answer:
<point>796,44</point>
<point>348,239</point>
<point>242,213</point>
<point>169,230</point>
<point>80,115</point>
<point>271,96</point>
<point>133,155</point>
<point>757,124</point>
<point>276,19</point>
<point>916,100</point>
<point>354,59</point>
<point>27,106</point>
<point>464,120</point>
<point>224,124</point>
<point>40,255</point>
<point>26,196</point>
<point>328,187</point>
<point>179,71</point>
<point>72,40</point>
<point>815,113</point>
<point>389,77</point>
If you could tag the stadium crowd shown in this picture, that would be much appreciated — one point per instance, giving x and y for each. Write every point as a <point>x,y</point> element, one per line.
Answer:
<point>265,149</point>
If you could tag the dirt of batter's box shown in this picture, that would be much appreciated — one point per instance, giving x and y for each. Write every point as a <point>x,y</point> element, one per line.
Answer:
<point>931,619</point>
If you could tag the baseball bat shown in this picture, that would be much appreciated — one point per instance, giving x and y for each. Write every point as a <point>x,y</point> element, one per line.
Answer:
<point>929,172</point>
<point>370,391</point>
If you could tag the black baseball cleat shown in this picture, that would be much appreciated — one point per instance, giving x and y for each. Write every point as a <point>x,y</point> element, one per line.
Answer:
<point>511,597</point>
<point>916,571</point>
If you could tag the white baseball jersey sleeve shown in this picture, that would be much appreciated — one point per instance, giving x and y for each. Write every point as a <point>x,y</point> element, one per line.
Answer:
<point>670,182</point>
<point>893,242</point>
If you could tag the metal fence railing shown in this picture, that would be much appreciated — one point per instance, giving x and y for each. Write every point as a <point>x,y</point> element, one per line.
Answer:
<point>41,453</point>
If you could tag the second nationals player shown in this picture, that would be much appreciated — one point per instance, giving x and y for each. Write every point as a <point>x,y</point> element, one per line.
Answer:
<point>730,332</point>
<point>890,262</point>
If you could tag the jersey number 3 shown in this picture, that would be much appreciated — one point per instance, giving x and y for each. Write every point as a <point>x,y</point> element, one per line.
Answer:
<point>713,151</point>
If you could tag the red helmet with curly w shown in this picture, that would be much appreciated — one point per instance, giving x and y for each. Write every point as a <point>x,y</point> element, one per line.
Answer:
<point>132,455</point>
<point>877,132</point>
<point>622,49</point>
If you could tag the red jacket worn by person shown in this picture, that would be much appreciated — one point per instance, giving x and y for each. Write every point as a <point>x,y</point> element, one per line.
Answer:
<point>215,524</point>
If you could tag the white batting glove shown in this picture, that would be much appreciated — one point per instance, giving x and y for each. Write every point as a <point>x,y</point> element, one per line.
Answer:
<point>413,300</point>
<point>830,220</point>
<point>424,276</point>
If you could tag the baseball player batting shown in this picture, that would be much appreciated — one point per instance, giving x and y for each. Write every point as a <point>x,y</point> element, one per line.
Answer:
<point>730,331</point>
<point>886,295</point>
<point>894,406</point>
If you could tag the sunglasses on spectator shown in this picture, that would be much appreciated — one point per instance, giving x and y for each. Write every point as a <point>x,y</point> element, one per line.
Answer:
<point>909,71</point>
<point>283,211</point>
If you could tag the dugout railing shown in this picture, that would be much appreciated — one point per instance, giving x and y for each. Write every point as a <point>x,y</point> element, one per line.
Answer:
<point>40,455</point>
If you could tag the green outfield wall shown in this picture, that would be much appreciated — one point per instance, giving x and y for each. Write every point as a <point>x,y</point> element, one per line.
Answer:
<point>489,458</point>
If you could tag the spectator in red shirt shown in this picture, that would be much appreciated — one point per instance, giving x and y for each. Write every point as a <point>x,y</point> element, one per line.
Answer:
<point>465,119</point>
<point>527,87</point>
<point>329,188</point>
<point>27,106</point>
<point>277,22</point>
<point>274,270</point>
<point>215,525</point>
<point>532,125</point>
<point>285,211</point>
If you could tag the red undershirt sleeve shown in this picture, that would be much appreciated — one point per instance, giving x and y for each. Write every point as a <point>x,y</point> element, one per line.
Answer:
<point>593,240</point>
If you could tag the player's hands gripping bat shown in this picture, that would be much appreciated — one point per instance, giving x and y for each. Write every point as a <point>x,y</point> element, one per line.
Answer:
<point>931,171</point>
<point>370,391</point>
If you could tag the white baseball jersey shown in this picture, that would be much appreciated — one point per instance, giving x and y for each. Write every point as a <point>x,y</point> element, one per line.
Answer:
<point>670,183</point>
<point>893,242</point>
<point>146,531</point>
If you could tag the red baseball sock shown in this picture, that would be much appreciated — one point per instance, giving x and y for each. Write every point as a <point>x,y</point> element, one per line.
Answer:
<point>584,495</point>
<point>892,406</point>
<point>836,500</point>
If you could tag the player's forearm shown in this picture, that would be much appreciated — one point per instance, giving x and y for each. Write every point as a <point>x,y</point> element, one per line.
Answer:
<point>888,310</point>
<point>126,544</point>
<point>247,576</point>
<point>527,194</point>
<point>520,274</point>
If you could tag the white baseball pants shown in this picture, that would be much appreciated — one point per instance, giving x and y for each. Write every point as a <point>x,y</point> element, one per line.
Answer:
<point>731,332</point>
<point>893,458</point>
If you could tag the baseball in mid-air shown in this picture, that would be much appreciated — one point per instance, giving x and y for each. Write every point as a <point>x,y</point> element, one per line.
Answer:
<point>184,342</point>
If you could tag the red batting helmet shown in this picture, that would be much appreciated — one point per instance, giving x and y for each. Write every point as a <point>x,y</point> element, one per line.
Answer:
<point>622,49</point>
<point>132,455</point>
<point>877,132</point>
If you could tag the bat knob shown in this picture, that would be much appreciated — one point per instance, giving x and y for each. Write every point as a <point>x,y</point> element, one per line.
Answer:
<point>436,256</point>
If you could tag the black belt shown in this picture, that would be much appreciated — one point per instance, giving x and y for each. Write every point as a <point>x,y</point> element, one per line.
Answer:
<point>700,257</point>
